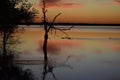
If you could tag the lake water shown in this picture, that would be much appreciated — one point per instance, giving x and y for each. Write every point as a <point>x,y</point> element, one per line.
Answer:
<point>90,54</point>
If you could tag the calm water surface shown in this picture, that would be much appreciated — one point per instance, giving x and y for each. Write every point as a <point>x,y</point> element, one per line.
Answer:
<point>89,55</point>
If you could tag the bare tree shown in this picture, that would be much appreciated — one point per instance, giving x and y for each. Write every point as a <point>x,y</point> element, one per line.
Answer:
<point>48,26</point>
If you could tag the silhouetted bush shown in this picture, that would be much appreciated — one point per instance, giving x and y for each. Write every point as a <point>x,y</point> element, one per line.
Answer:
<point>14,72</point>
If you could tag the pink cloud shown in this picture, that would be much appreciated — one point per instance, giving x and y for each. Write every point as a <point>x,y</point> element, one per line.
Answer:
<point>59,3</point>
<point>70,5</point>
<point>56,46</point>
<point>117,1</point>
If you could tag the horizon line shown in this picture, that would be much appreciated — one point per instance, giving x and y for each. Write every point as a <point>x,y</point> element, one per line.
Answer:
<point>73,24</point>
<point>65,24</point>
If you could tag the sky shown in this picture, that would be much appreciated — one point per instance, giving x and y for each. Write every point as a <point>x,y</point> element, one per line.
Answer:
<point>81,11</point>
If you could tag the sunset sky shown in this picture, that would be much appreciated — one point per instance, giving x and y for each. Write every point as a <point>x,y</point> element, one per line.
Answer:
<point>82,11</point>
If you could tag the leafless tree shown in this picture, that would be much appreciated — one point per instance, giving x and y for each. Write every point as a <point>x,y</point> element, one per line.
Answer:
<point>48,26</point>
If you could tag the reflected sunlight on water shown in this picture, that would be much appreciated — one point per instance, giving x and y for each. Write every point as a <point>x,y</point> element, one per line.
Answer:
<point>92,56</point>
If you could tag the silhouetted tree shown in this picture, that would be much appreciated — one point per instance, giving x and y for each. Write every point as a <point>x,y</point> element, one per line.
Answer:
<point>48,26</point>
<point>13,12</point>
<point>46,29</point>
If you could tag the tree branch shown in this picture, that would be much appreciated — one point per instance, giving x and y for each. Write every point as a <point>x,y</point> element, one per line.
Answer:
<point>51,24</point>
<point>61,31</point>
<point>56,17</point>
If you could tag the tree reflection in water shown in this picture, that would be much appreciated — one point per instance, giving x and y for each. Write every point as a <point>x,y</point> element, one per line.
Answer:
<point>10,71</point>
<point>49,67</point>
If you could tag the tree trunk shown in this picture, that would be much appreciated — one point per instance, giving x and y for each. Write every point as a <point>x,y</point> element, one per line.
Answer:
<point>4,45</point>
<point>45,47</point>
<point>45,55</point>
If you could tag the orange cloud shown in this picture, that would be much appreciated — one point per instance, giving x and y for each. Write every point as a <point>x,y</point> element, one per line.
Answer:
<point>55,46</point>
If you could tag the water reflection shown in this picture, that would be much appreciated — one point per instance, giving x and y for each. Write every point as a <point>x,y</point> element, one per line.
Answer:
<point>48,69</point>
<point>55,47</point>
<point>11,71</point>
<point>92,59</point>
<point>50,65</point>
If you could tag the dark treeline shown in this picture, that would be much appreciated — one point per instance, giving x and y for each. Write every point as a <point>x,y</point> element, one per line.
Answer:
<point>12,12</point>
<point>69,24</point>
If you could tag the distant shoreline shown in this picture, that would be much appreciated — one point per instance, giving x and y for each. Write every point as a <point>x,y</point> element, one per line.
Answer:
<point>69,27</point>
<point>73,24</point>
<point>97,38</point>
